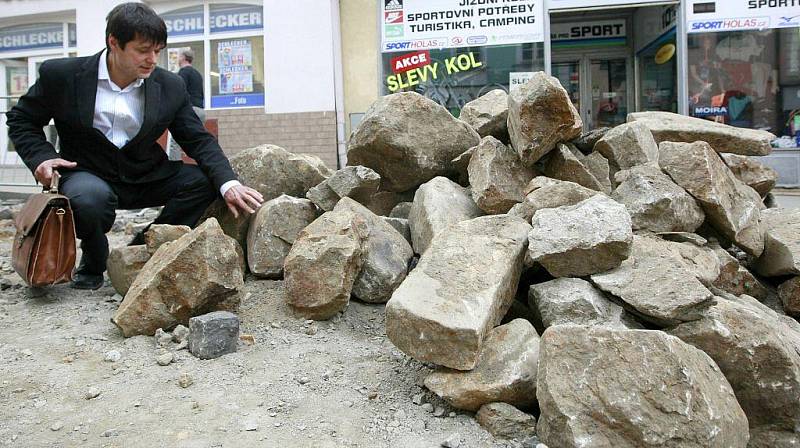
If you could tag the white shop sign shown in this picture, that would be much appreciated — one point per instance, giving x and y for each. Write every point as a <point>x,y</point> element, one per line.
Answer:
<point>703,16</point>
<point>605,29</point>
<point>564,4</point>
<point>518,79</point>
<point>408,25</point>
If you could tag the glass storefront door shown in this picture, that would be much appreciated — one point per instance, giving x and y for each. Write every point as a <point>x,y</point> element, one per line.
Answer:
<point>599,87</point>
<point>16,74</point>
<point>609,90</point>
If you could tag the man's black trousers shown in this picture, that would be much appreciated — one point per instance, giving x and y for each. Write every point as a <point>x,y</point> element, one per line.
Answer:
<point>185,196</point>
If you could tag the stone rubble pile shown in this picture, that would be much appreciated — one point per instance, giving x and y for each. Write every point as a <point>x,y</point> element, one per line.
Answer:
<point>658,289</point>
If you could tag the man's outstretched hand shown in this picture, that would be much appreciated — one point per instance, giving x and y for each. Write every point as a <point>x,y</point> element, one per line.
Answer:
<point>44,172</point>
<point>241,198</point>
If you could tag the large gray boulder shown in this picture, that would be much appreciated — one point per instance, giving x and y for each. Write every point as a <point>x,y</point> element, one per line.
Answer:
<point>758,352</point>
<point>628,145</point>
<point>506,371</point>
<point>385,252</point>
<point>670,127</point>
<point>657,283</point>
<point>736,279</point>
<point>586,141</point>
<point>356,182</point>
<point>655,202</point>
<point>274,171</point>
<point>488,114</point>
<point>444,309</point>
<point>753,173</point>
<point>461,166</point>
<point>124,265</point>
<point>575,301</point>
<point>789,293</point>
<point>322,265</point>
<point>601,387</point>
<point>599,167</point>
<point>272,232</point>
<point>506,422</point>
<point>701,260</point>
<point>235,227</point>
<point>781,254</point>
<point>200,272</point>
<point>563,164</point>
<point>765,437</point>
<point>158,234</point>
<point>589,237</point>
<point>544,192</point>
<point>409,139</point>
<point>540,114</point>
<point>438,203</point>
<point>731,207</point>
<point>497,176</point>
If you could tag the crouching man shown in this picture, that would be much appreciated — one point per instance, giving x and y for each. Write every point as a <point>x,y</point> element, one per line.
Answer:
<point>109,110</point>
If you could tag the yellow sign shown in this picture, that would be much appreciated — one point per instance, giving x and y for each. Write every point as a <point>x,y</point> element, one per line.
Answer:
<point>454,64</point>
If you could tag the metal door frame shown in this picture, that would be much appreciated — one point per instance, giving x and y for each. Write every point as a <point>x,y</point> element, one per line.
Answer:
<point>585,57</point>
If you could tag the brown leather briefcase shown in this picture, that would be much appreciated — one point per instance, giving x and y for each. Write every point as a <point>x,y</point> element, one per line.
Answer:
<point>44,245</point>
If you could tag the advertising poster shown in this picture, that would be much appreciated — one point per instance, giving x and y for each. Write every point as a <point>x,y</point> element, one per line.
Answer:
<point>17,80</point>
<point>518,79</point>
<point>235,64</point>
<point>735,15</point>
<point>417,25</point>
<point>172,58</point>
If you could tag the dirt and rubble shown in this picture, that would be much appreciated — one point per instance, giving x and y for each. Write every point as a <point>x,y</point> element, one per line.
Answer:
<point>332,383</point>
<point>629,287</point>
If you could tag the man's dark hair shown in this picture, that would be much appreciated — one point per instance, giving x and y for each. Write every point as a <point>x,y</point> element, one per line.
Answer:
<point>128,21</point>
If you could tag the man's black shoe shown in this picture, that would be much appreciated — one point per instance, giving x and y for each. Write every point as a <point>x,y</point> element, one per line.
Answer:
<point>86,281</point>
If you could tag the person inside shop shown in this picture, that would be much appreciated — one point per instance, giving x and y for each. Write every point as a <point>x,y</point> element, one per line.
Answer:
<point>706,80</point>
<point>193,80</point>
<point>109,110</point>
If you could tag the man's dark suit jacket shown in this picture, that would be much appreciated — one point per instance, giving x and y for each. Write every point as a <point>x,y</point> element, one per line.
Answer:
<point>66,91</point>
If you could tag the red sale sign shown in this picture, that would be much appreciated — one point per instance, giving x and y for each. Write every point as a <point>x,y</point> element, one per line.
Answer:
<point>410,61</point>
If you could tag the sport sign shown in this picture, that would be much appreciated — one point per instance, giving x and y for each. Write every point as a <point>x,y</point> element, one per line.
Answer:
<point>703,16</point>
<point>435,24</point>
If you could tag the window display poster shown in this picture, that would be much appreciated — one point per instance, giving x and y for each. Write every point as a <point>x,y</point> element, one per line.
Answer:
<point>235,60</point>
<point>703,16</point>
<point>416,25</point>
<point>235,68</point>
<point>173,54</point>
<point>17,80</point>
<point>733,78</point>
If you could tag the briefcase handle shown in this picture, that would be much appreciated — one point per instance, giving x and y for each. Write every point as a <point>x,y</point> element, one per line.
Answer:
<point>53,183</point>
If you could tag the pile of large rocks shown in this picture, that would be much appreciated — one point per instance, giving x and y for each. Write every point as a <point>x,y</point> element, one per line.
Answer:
<point>627,287</point>
<point>612,281</point>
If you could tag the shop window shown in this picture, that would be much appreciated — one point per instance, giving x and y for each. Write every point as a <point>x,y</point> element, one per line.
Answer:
<point>168,58</point>
<point>237,72</point>
<point>455,76</point>
<point>658,73</point>
<point>16,85</point>
<point>734,78</point>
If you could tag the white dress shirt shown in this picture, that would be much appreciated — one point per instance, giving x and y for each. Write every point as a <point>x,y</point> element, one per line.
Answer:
<point>118,113</point>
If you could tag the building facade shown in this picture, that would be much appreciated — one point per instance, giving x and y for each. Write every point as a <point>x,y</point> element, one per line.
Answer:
<point>302,74</point>
<point>270,71</point>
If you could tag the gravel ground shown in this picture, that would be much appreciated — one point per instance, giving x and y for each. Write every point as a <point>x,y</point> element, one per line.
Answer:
<point>68,378</point>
